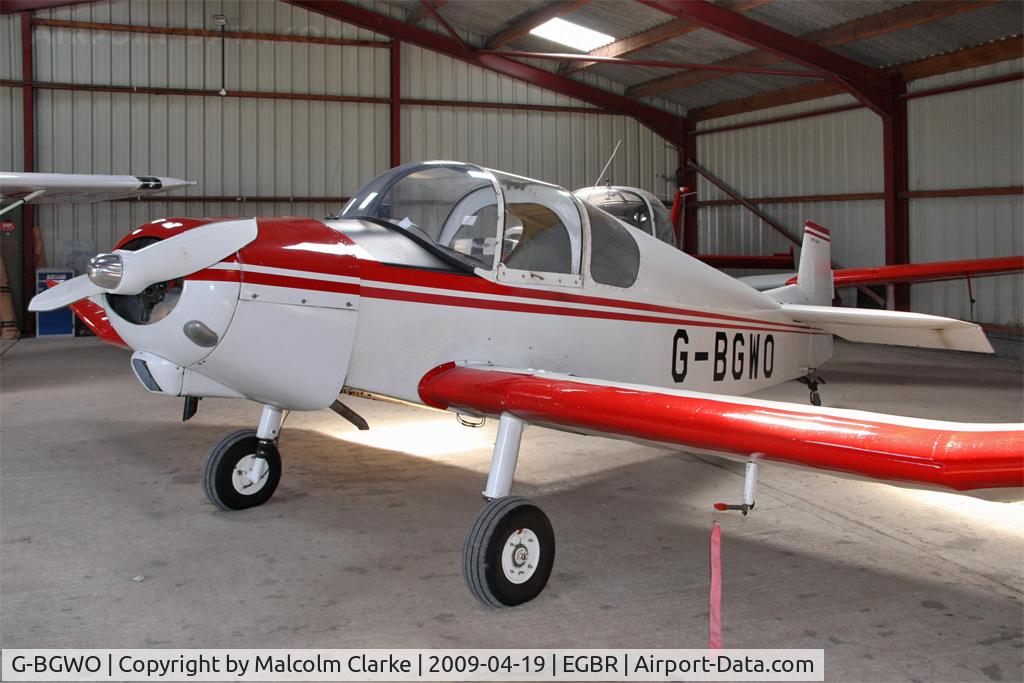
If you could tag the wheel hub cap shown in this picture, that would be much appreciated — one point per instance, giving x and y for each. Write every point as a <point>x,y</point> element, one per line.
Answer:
<point>243,475</point>
<point>520,556</point>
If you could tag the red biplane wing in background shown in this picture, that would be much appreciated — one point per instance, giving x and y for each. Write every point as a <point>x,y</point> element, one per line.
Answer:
<point>927,272</point>
<point>905,273</point>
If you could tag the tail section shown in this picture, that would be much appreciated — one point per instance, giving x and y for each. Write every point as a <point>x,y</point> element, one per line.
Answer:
<point>809,300</point>
<point>814,277</point>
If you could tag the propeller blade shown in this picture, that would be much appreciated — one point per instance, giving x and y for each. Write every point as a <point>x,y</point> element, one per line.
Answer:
<point>64,294</point>
<point>184,254</point>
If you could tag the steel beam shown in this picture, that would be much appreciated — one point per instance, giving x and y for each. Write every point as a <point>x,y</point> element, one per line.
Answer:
<point>28,212</point>
<point>661,122</point>
<point>432,10</point>
<point>1001,191</point>
<point>301,97</point>
<point>657,63</point>
<point>395,91</point>
<point>12,6</point>
<point>869,85</point>
<point>654,36</point>
<point>207,33</point>
<point>419,13</point>
<point>690,238</point>
<point>896,19</point>
<point>896,182</point>
<point>721,185</point>
<point>990,53</point>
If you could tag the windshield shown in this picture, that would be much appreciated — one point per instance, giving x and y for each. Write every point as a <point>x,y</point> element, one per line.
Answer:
<point>450,204</point>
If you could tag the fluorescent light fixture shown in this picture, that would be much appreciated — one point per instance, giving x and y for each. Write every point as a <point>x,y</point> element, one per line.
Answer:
<point>575,36</point>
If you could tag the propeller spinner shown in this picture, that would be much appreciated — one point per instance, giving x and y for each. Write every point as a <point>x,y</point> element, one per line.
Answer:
<point>130,272</point>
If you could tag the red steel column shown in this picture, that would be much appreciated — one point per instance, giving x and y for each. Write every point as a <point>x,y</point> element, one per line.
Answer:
<point>689,241</point>
<point>28,239</point>
<point>896,180</point>
<point>396,102</point>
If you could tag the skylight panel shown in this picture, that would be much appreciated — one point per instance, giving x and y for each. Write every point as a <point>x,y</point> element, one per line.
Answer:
<point>573,35</point>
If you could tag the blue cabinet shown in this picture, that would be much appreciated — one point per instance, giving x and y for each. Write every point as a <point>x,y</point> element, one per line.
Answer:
<point>58,323</point>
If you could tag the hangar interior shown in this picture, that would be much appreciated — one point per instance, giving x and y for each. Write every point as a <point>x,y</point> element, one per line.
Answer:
<point>898,125</point>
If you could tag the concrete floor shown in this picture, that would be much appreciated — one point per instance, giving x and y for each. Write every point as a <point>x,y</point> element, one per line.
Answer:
<point>99,484</point>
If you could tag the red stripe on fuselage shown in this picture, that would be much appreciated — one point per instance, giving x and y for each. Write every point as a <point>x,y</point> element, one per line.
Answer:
<point>489,304</point>
<point>299,283</point>
<point>453,285</point>
<point>216,275</point>
<point>477,285</point>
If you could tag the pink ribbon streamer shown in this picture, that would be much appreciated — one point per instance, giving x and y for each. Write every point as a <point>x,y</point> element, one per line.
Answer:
<point>715,612</point>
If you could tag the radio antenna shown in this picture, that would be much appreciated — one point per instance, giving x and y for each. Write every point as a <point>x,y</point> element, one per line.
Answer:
<point>601,174</point>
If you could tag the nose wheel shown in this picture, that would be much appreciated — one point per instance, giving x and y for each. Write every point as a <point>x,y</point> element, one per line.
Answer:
<point>241,471</point>
<point>508,553</point>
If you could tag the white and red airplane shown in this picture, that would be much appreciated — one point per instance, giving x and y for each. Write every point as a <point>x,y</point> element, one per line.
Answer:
<point>489,294</point>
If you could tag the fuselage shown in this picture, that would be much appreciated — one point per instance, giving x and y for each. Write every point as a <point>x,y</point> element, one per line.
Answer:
<point>312,307</point>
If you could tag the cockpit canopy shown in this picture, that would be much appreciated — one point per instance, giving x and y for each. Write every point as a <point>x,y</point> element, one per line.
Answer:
<point>637,207</point>
<point>493,220</point>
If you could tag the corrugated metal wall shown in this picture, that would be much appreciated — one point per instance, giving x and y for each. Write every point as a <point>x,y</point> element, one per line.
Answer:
<point>971,138</point>
<point>11,150</point>
<point>820,155</point>
<point>272,147</point>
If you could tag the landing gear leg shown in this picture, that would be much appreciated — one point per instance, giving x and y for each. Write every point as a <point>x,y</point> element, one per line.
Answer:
<point>812,380</point>
<point>242,470</point>
<point>510,548</point>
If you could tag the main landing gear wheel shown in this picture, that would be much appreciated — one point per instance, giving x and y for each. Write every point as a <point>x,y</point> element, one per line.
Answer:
<point>508,552</point>
<point>241,472</point>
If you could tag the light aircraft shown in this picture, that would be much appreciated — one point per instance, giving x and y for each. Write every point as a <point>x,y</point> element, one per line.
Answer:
<point>488,294</point>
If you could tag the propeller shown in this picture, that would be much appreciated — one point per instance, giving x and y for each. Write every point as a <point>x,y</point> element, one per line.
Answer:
<point>130,272</point>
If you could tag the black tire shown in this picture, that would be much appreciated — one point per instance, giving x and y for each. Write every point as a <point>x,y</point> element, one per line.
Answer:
<point>493,528</point>
<point>815,398</point>
<point>219,468</point>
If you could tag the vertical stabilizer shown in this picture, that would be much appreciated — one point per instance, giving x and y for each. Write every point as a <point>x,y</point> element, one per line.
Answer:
<point>814,278</point>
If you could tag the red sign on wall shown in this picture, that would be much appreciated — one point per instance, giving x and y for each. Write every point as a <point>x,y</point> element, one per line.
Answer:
<point>6,227</point>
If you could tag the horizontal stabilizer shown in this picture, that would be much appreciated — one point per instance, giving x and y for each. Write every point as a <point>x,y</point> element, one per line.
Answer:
<point>893,327</point>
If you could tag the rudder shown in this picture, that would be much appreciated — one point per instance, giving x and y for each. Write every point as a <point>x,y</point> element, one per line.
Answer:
<point>813,284</point>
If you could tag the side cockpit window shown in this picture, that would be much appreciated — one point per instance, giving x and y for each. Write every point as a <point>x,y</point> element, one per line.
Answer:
<point>614,254</point>
<point>636,207</point>
<point>543,228</point>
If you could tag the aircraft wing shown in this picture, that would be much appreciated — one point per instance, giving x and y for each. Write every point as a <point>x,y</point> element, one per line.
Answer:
<point>909,272</point>
<point>928,272</point>
<point>68,188</point>
<point>952,455</point>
